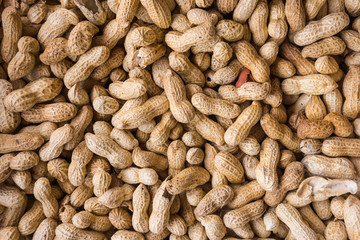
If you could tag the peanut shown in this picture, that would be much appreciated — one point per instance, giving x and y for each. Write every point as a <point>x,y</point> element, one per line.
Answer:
<point>266,169</point>
<point>328,26</point>
<point>38,91</point>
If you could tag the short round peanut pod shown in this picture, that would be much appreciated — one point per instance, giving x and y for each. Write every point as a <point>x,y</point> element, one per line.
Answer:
<point>195,156</point>
<point>105,105</point>
<point>326,65</point>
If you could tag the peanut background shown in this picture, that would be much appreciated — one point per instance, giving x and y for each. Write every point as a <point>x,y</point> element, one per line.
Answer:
<point>179,119</point>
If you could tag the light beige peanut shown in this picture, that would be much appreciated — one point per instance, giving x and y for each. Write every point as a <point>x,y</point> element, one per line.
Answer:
<point>247,91</point>
<point>177,227</point>
<point>146,159</point>
<point>78,42</point>
<point>58,168</point>
<point>326,167</point>
<point>211,106</point>
<point>215,199</point>
<point>176,157</point>
<point>187,179</point>
<point>38,91</point>
<point>333,101</point>
<point>227,74</point>
<point>152,88</point>
<point>351,210</point>
<point>85,219</point>
<point>11,233</point>
<point>12,29</point>
<point>214,227</point>
<point>24,60</point>
<point>295,14</point>
<point>259,228</point>
<point>222,53</point>
<point>77,95</point>
<point>337,147</point>
<point>294,200</point>
<point>282,68</point>
<point>181,42</point>
<point>277,27</point>
<point>101,181</point>
<point>105,105</point>
<point>292,218</point>
<point>160,133</point>
<point>240,129</point>
<point>246,193</point>
<point>52,112</point>
<point>197,231</point>
<point>319,189</point>
<point>160,215</point>
<point>141,201</point>
<point>139,115</point>
<point>129,89</point>
<point>197,16</point>
<point>43,193</point>
<point>53,148</point>
<point>315,84</point>
<point>312,8</point>
<point>280,132</point>
<point>241,216</point>
<point>315,108</point>
<point>258,23</point>
<point>269,51</point>
<point>187,70</point>
<point>201,60</point>
<point>293,54</point>
<point>314,221</point>
<point>104,146</point>
<point>195,156</point>
<point>230,166</point>
<point>195,195</point>
<point>244,9</point>
<point>79,123</point>
<point>180,107</point>
<point>9,120</point>
<point>250,146</point>
<point>317,129</point>
<point>327,46</point>
<point>115,196</point>
<point>20,142</point>
<point>46,229</point>
<point>351,108</point>
<point>56,24</point>
<point>134,175</point>
<point>30,221</point>
<point>351,39</point>
<point>336,230</point>
<point>180,22</point>
<point>322,209</point>
<point>274,98</point>
<point>266,169</point>
<point>85,65</point>
<point>230,30</point>
<point>158,11</point>
<point>69,231</point>
<point>326,65</point>
<point>247,56</point>
<point>329,25</point>
<point>120,218</point>
<point>286,157</point>
<point>22,179</point>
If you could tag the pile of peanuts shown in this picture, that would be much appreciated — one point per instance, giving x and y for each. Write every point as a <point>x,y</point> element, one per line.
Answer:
<point>180,119</point>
